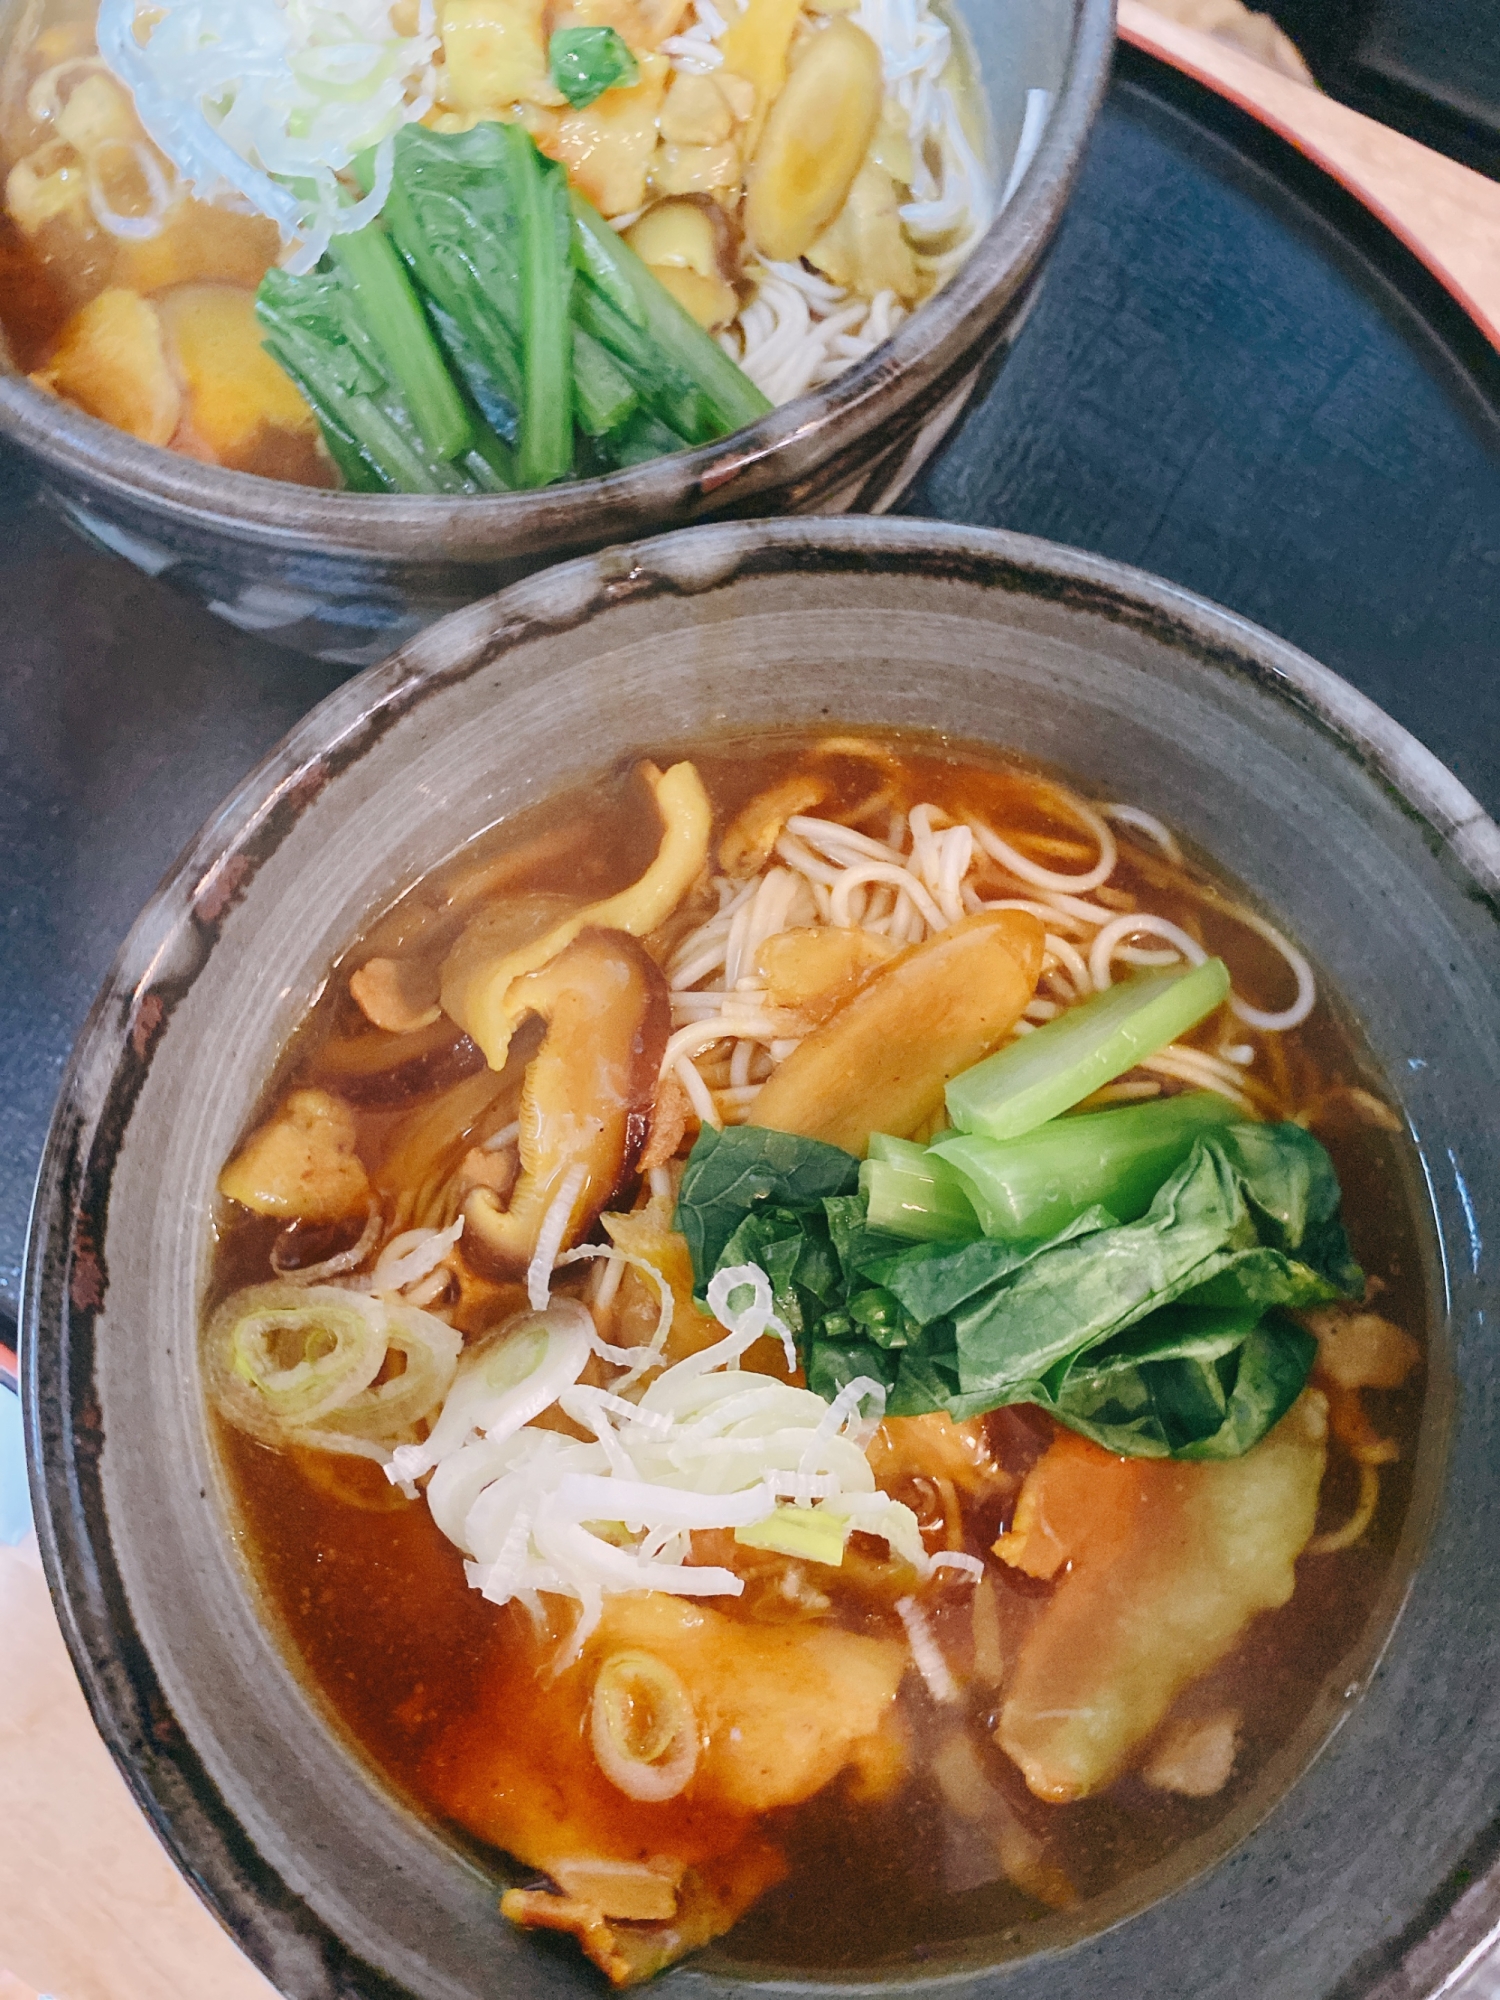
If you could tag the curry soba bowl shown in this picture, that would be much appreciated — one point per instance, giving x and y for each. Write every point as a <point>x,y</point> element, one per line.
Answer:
<point>759,1268</point>
<point>339,317</point>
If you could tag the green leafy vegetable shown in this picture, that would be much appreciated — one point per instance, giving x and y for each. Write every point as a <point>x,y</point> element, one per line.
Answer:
<point>585,62</point>
<point>1163,1335</point>
<point>483,222</point>
<point>1031,1080</point>
<point>1188,1382</point>
<point>452,214</point>
<point>686,379</point>
<point>1033,1185</point>
<point>316,328</point>
<point>391,310</point>
<point>491,330</point>
<point>541,193</point>
<point>606,399</point>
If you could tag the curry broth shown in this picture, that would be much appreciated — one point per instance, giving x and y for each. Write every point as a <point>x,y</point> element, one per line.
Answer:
<point>372,1601</point>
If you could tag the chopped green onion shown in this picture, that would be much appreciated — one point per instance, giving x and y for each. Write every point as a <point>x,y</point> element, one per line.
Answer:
<point>812,1534</point>
<point>585,62</point>
<point>1052,1069</point>
<point>1036,1185</point>
<point>298,1364</point>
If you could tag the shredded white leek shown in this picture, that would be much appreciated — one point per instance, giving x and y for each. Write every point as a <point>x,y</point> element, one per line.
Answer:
<point>273,100</point>
<point>707,1445</point>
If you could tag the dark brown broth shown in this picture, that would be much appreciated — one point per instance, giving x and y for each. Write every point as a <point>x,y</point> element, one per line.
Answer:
<point>374,1606</point>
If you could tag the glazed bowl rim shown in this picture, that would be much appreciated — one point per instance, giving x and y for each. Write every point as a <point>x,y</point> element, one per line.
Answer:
<point>102,1637</point>
<point>916,361</point>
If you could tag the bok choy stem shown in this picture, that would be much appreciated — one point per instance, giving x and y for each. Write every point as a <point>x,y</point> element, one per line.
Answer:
<point>314,329</point>
<point>541,193</point>
<point>1037,1184</point>
<point>910,1191</point>
<point>1054,1068</point>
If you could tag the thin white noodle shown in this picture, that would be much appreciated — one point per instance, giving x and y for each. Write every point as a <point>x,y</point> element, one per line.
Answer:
<point>699,1094</point>
<point>1178,1064</point>
<point>1307,987</point>
<point>1027,870</point>
<point>1133,924</point>
<point>834,840</point>
<point>1073,960</point>
<point>882,871</point>
<point>1150,825</point>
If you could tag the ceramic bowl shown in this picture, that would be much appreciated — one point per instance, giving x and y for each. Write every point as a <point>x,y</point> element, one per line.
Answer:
<point>1369,851</point>
<point>348,577</point>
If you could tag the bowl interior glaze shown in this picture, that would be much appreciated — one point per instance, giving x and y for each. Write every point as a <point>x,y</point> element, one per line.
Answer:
<point>1331,816</point>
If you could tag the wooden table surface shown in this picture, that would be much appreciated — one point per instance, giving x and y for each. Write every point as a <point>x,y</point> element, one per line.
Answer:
<point>137,1931</point>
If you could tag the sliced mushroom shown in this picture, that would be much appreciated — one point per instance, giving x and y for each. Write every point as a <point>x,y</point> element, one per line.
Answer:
<point>588,1093</point>
<point>686,243</point>
<point>711,1898</point>
<point>482,970</point>
<point>643,1892</point>
<point>425,1149</point>
<point>881,1062</point>
<point>814,971</point>
<point>397,994</point>
<point>300,1163</point>
<point>752,834</point>
<point>386,1071</point>
<point>815,141</point>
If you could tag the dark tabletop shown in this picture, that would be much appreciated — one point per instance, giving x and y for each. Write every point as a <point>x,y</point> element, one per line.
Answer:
<point>1229,379</point>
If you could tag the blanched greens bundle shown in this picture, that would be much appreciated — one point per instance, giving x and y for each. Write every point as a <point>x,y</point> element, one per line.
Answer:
<point>1165,1336</point>
<point>492,331</point>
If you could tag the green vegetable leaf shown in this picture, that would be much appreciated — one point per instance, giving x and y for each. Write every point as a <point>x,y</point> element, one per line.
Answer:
<point>315,327</point>
<point>1188,1382</point>
<point>683,376</point>
<point>484,224</point>
<point>730,1173</point>
<point>1201,1237</point>
<point>1162,1336</point>
<point>585,62</point>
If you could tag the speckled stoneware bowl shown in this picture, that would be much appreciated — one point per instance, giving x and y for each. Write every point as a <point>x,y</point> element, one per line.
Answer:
<point>347,577</point>
<point>1368,850</point>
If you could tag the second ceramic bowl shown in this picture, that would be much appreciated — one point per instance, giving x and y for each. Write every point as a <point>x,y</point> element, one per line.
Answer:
<point>348,577</point>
